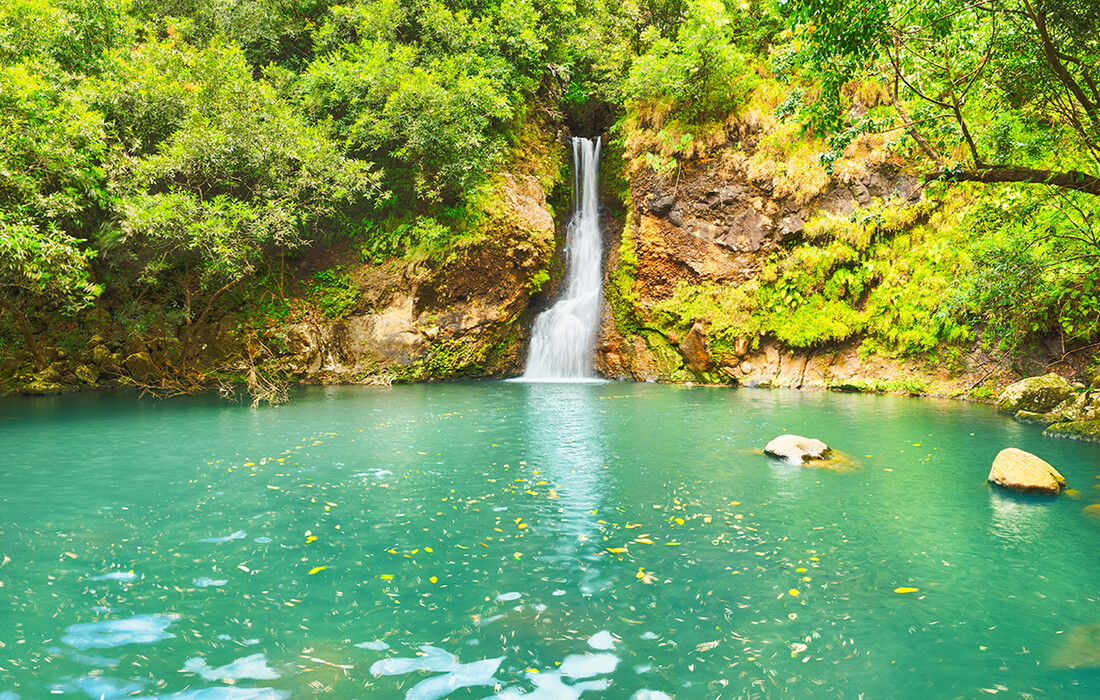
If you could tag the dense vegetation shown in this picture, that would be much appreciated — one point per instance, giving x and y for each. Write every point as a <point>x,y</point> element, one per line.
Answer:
<point>156,154</point>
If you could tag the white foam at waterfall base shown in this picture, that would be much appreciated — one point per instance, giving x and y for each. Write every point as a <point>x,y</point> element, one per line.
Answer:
<point>564,336</point>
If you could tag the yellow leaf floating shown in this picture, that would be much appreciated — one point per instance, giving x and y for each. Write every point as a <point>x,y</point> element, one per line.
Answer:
<point>793,591</point>
<point>385,577</point>
<point>311,538</point>
<point>433,579</point>
<point>616,550</point>
<point>905,589</point>
<point>643,540</point>
<point>316,569</point>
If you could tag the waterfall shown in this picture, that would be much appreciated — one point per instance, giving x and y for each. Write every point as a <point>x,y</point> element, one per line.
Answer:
<point>564,336</point>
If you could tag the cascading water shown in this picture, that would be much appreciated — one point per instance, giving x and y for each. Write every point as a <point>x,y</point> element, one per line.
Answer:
<point>564,336</point>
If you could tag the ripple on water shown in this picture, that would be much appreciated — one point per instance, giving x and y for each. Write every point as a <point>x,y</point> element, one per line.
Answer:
<point>588,665</point>
<point>121,576</point>
<point>204,581</point>
<point>139,629</point>
<point>238,535</point>
<point>253,667</point>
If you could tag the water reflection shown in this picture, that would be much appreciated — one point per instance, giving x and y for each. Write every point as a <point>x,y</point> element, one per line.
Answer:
<point>568,439</point>
<point>1019,519</point>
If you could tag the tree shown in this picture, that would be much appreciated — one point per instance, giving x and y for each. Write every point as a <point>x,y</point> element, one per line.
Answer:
<point>44,263</point>
<point>212,171</point>
<point>986,67</point>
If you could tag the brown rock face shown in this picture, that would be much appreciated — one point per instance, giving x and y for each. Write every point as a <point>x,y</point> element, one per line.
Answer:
<point>1022,471</point>
<point>695,351</point>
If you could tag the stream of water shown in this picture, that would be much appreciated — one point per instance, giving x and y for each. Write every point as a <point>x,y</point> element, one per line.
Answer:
<point>563,336</point>
<point>538,541</point>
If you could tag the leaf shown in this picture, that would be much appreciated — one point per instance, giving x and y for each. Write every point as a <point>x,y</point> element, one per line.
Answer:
<point>316,569</point>
<point>616,550</point>
<point>905,589</point>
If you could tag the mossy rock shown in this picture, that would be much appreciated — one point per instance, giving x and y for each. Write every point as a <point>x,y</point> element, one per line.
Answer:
<point>1035,394</point>
<point>1093,510</point>
<point>89,374</point>
<point>40,388</point>
<point>1076,430</point>
<point>1033,417</point>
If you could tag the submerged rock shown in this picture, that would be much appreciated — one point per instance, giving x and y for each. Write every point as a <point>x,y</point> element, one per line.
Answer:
<point>1077,430</point>
<point>1080,648</point>
<point>1022,471</point>
<point>797,449</point>
<point>1035,394</point>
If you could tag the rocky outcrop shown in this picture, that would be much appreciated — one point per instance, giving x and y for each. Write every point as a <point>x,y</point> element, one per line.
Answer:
<point>798,450</point>
<point>1035,394</point>
<point>1022,471</point>
<point>458,317</point>
<point>1088,430</point>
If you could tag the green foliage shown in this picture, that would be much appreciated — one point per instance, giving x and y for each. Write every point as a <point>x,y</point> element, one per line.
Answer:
<point>976,86</point>
<point>1037,267</point>
<point>879,276</point>
<point>45,263</point>
<point>334,292</point>
<point>50,146</point>
<point>234,171</point>
<point>620,293</point>
<point>701,74</point>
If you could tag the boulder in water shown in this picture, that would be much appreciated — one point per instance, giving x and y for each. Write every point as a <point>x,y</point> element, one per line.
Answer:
<point>797,449</point>
<point>1035,394</point>
<point>1022,471</point>
<point>1088,430</point>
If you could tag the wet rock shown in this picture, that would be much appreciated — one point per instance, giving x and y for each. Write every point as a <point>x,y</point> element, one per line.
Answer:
<point>1088,430</point>
<point>140,366</point>
<point>1036,394</point>
<point>797,449</point>
<point>1022,471</point>
<point>1033,417</point>
<point>695,351</point>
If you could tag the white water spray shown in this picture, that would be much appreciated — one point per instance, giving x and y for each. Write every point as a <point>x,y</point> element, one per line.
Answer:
<point>564,336</point>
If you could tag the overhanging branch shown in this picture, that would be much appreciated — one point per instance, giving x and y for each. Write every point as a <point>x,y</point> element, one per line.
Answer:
<point>1070,180</point>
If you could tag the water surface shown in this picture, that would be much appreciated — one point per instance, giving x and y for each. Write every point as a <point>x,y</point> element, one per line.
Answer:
<point>543,541</point>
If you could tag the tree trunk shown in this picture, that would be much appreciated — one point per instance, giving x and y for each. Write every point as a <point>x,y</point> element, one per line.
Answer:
<point>25,329</point>
<point>1070,180</point>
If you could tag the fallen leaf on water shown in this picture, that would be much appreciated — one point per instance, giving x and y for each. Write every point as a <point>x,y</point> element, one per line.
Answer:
<point>616,550</point>
<point>793,591</point>
<point>433,579</point>
<point>645,576</point>
<point>905,589</point>
<point>316,569</point>
<point>311,538</point>
<point>385,577</point>
<point>643,540</point>
<point>706,645</point>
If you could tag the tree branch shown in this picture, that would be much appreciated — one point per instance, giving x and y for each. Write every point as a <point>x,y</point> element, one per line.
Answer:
<point>1070,179</point>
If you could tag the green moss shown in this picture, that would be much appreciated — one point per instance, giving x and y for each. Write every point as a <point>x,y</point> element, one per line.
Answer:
<point>907,386</point>
<point>620,293</point>
<point>880,276</point>
<point>1077,430</point>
